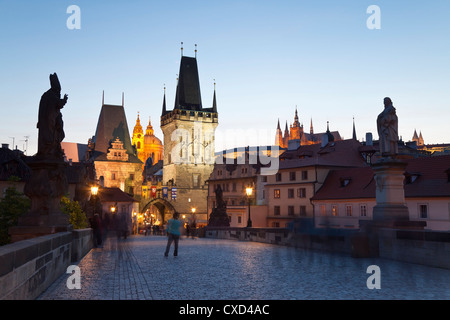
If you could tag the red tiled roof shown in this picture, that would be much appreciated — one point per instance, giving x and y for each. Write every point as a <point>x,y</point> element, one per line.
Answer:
<point>344,153</point>
<point>360,184</point>
<point>432,181</point>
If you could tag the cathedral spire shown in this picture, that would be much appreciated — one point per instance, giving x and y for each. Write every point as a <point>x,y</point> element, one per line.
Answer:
<point>311,130</point>
<point>354,130</point>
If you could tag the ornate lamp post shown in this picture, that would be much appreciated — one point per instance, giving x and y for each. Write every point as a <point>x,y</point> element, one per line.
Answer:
<point>249,191</point>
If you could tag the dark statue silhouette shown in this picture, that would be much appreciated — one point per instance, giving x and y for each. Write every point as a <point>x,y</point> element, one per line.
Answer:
<point>50,123</point>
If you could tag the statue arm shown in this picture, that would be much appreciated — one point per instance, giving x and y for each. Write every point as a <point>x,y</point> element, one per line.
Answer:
<point>62,102</point>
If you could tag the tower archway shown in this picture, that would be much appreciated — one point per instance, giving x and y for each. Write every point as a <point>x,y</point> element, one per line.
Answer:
<point>160,208</point>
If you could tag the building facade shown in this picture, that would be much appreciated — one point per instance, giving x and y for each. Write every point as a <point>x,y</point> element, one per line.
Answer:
<point>301,173</point>
<point>234,176</point>
<point>115,161</point>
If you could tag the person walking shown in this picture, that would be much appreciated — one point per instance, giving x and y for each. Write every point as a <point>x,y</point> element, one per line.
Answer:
<point>173,234</point>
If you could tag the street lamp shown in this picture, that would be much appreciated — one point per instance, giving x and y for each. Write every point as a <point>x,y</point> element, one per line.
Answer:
<point>249,191</point>
<point>94,191</point>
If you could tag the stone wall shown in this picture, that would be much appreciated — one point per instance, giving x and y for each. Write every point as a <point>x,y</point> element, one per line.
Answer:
<point>424,247</point>
<point>282,236</point>
<point>429,248</point>
<point>82,243</point>
<point>28,267</point>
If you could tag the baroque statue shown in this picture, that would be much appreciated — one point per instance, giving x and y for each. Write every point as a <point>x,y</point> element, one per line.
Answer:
<point>387,126</point>
<point>50,123</point>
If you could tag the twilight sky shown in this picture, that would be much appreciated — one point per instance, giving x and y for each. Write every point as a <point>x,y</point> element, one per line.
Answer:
<point>267,57</point>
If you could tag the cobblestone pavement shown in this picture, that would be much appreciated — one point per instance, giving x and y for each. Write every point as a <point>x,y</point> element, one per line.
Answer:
<point>209,269</point>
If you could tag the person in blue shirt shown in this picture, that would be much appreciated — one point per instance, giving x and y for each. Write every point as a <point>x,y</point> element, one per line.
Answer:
<point>173,234</point>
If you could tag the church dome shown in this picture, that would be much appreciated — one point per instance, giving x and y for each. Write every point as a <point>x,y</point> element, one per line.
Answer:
<point>151,140</point>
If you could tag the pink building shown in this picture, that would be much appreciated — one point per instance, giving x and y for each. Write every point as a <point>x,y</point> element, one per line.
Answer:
<point>348,195</point>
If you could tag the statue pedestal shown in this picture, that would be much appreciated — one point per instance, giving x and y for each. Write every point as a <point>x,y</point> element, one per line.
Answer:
<point>390,194</point>
<point>390,211</point>
<point>48,183</point>
<point>219,218</point>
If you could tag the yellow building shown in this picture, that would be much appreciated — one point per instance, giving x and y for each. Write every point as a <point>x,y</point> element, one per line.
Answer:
<point>147,145</point>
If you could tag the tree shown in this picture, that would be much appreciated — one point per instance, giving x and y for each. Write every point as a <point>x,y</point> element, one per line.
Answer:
<point>12,206</point>
<point>77,217</point>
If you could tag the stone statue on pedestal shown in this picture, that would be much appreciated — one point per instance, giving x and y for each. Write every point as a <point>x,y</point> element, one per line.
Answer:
<point>219,216</point>
<point>48,182</point>
<point>387,126</point>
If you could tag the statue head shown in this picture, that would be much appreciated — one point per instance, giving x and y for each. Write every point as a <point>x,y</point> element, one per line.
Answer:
<point>54,82</point>
<point>387,102</point>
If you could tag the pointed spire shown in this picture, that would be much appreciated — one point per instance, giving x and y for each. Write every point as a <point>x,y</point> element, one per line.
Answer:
<point>164,111</point>
<point>103,98</point>
<point>415,136</point>
<point>278,126</point>
<point>214,107</point>
<point>196,51</point>
<point>123,99</point>
<point>149,130</point>
<point>137,128</point>
<point>311,130</point>
<point>182,48</point>
<point>354,130</point>
<point>329,134</point>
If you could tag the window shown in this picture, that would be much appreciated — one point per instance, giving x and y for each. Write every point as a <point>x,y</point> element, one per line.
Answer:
<point>263,178</point>
<point>303,211</point>
<point>304,175</point>
<point>276,193</point>
<point>275,224</point>
<point>276,210</point>
<point>239,219</point>
<point>131,190</point>
<point>131,176</point>
<point>292,176</point>
<point>278,177</point>
<point>290,193</point>
<point>348,210</point>
<point>334,210</point>
<point>363,210</point>
<point>196,180</point>
<point>234,186</point>
<point>301,192</point>
<point>290,210</point>
<point>423,211</point>
<point>113,176</point>
<point>322,210</point>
